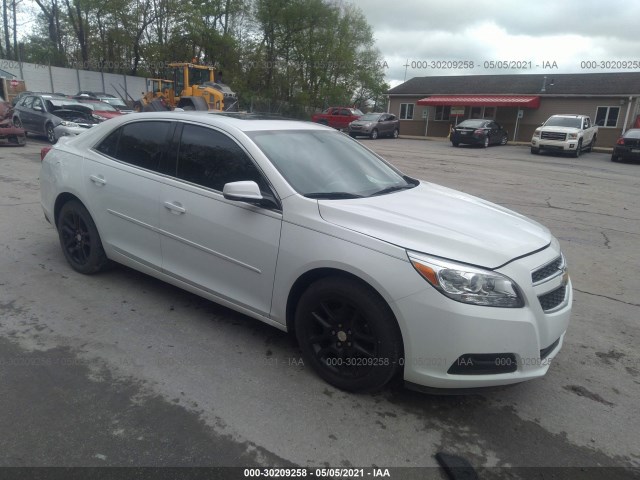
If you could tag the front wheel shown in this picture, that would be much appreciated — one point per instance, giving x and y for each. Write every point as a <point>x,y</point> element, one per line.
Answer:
<point>51,135</point>
<point>578,151</point>
<point>504,139</point>
<point>535,150</point>
<point>485,144</point>
<point>79,239</point>
<point>374,134</point>
<point>396,133</point>
<point>348,335</point>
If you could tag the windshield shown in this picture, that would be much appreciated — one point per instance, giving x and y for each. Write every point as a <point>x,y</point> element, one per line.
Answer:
<point>322,164</point>
<point>114,101</point>
<point>473,123</point>
<point>101,106</point>
<point>370,117</point>
<point>563,122</point>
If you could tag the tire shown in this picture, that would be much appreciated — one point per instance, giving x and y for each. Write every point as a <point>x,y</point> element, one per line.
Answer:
<point>455,144</point>
<point>396,133</point>
<point>504,139</point>
<point>535,151</point>
<point>352,135</point>
<point>614,158</point>
<point>340,320</point>
<point>486,142</point>
<point>79,239</point>
<point>17,122</point>
<point>592,144</point>
<point>51,135</point>
<point>374,134</point>
<point>578,150</point>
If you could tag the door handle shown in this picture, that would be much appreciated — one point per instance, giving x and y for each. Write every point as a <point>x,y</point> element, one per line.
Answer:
<point>176,208</point>
<point>98,180</point>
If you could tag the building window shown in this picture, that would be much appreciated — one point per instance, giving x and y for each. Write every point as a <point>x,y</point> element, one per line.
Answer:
<point>443,113</point>
<point>489,112</point>
<point>607,116</point>
<point>406,111</point>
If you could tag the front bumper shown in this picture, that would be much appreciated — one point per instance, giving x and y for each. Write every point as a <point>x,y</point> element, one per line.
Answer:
<point>557,145</point>
<point>520,343</point>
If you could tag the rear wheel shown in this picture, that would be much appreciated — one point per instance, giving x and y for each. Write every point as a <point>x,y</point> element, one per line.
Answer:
<point>79,239</point>
<point>535,151</point>
<point>614,158</point>
<point>396,133</point>
<point>504,139</point>
<point>348,334</point>
<point>592,144</point>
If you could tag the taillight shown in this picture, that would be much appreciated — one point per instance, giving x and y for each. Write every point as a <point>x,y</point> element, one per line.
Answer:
<point>44,151</point>
<point>620,141</point>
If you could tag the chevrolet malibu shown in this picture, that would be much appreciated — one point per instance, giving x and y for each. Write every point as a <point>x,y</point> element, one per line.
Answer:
<point>378,275</point>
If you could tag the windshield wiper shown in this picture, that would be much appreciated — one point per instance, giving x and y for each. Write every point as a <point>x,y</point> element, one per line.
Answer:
<point>332,195</point>
<point>392,188</point>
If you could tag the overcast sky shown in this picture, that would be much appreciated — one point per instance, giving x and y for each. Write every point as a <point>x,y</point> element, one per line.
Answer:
<point>534,33</point>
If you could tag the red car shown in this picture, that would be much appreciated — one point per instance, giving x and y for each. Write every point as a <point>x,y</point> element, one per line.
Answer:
<point>337,117</point>
<point>101,110</point>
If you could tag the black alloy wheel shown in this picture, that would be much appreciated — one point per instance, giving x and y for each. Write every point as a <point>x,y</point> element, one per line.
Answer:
<point>79,239</point>
<point>348,335</point>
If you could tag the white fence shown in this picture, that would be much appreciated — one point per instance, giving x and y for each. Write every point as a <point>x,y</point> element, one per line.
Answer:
<point>45,78</point>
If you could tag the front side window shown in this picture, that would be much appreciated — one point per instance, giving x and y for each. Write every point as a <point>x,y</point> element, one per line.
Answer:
<point>607,116</point>
<point>406,111</point>
<point>211,159</point>
<point>142,144</point>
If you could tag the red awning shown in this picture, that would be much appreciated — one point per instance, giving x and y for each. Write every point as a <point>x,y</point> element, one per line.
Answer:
<point>482,100</point>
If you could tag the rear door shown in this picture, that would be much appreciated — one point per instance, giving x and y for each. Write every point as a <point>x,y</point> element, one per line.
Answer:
<point>123,176</point>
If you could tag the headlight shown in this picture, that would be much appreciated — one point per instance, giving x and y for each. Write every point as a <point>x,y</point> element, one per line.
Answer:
<point>467,284</point>
<point>572,136</point>
<point>69,124</point>
<point>536,133</point>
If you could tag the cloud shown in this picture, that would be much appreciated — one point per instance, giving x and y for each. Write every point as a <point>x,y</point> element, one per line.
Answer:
<point>568,33</point>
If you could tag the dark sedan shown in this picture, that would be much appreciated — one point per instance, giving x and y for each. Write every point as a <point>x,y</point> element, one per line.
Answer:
<point>478,132</point>
<point>627,148</point>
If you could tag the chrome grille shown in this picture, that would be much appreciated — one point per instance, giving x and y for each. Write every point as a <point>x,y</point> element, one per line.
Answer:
<point>553,299</point>
<point>553,136</point>
<point>547,271</point>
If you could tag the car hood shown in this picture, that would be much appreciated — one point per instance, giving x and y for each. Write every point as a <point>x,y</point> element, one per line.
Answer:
<point>442,222</point>
<point>559,129</point>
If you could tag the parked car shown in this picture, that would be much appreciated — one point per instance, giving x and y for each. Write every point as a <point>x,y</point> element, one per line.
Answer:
<point>112,100</point>
<point>627,148</point>
<point>375,125</point>
<point>337,117</point>
<point>101,110</point>
<point>479,132</point>
<point>565,134</point>
<point>378,274</point>
<point>47,114</point>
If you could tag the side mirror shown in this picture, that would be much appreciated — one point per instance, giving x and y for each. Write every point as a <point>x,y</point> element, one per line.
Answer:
<point>244,191</point>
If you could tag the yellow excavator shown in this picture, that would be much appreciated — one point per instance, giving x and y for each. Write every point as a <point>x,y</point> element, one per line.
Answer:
<point>193,88</point>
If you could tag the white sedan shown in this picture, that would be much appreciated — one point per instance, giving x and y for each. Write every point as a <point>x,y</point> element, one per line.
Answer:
<point>379,275</point>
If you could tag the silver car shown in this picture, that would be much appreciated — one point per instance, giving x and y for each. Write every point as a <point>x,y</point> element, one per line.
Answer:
<point>375,125</point>
<point>52,115</point>
<point>378,275</point>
